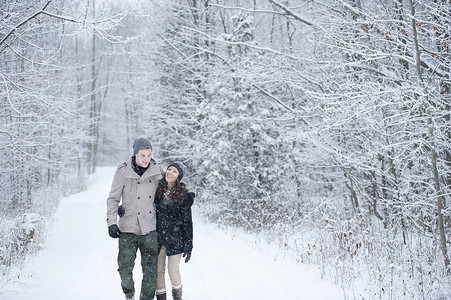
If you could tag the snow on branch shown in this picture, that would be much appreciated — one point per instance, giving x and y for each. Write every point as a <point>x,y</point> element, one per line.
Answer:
<point>245,9</point>
<point>23,23</point>
<point>291,13</point>
<point>286,10</point>
<point>116,19</point>
<point>242,44</point>
<point>274,98</point>
<point>172,46</point>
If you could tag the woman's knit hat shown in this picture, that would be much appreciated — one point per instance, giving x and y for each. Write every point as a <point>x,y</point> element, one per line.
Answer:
<point>141,143</point>
<point>180,167</point>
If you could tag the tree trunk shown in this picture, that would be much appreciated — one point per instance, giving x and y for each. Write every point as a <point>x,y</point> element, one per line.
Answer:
<point>93,110</point>
<point>437,186</point>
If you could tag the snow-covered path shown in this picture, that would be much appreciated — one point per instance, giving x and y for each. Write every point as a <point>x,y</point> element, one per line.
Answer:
<point>78,261</point>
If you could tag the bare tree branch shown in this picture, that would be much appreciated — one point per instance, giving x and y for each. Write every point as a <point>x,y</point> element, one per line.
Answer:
<point>245,9</point>
<point>290,12</point>
<point>24,22</point>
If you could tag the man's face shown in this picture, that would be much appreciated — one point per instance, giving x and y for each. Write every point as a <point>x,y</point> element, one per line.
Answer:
<point>143,157</point>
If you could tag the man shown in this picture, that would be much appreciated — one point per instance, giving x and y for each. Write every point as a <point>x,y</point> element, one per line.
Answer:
<point>135,182</point>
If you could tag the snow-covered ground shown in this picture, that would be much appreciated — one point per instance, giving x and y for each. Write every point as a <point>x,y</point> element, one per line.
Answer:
<point>78,261</point>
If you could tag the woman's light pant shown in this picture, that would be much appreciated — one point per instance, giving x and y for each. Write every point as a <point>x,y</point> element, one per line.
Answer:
<point>173,270</point>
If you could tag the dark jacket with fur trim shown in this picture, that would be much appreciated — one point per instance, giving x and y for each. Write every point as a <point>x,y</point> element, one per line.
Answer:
<point>175,224</point>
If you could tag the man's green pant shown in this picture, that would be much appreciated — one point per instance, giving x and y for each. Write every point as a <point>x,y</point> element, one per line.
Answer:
<point>129,244</point>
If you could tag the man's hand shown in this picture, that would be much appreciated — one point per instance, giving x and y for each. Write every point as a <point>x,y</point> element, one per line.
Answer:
<point>114,231</point>
<point>121,211</point>
<point>191,196</point>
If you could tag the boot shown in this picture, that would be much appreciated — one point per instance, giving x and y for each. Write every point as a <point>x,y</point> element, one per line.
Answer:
<point>129,297</point>
<point>161,297</point>
<point>177,294</point>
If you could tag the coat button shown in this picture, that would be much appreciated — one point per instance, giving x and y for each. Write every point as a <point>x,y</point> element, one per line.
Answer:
<point>150,180</point>
<point>150,197</point>
<point>138,182</point>
<point>139,213</point>
<point>139,197</point>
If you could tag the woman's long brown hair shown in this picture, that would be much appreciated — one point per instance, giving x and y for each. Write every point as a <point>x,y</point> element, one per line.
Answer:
<point>177,191</point>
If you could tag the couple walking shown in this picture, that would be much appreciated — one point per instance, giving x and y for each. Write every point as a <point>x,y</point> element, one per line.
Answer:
<point>154,217</point>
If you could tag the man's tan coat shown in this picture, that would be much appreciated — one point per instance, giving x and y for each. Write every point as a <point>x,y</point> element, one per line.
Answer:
<point>137,194</point>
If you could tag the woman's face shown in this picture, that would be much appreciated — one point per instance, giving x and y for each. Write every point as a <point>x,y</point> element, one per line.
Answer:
<point>171,174</point>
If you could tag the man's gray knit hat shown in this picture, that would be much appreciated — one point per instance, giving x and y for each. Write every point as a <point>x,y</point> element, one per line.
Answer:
<point>141,143</point>
<point>180,167</point>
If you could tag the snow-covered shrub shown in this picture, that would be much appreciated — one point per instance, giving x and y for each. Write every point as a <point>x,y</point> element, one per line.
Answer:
<point>23,229</point>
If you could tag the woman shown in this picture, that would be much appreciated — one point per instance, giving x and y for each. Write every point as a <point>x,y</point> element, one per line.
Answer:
<point>174,226</point>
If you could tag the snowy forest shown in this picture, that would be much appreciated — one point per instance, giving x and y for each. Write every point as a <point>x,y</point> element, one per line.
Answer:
<point>322,125</point>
